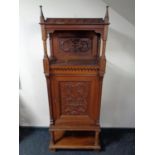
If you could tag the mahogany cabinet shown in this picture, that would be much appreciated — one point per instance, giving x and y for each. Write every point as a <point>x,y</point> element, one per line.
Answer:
<point>74,68</point>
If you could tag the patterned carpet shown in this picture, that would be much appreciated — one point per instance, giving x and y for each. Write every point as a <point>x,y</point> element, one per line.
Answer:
<point>34,141</point>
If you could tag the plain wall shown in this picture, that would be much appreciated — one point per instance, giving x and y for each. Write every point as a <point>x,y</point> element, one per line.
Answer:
<point>118,100</point>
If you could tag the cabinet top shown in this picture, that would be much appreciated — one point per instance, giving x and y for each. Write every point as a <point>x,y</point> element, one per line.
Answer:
<point>74,21</point>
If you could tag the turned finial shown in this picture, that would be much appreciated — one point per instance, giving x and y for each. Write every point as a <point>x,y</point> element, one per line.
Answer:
<point>106,18</point>
<point>42,19</point>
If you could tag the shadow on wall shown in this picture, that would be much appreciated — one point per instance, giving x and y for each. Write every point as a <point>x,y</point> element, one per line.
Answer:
<point>25,116</point>
<point>119,82</point>
<point>25,113</point>
<point>121,50</point>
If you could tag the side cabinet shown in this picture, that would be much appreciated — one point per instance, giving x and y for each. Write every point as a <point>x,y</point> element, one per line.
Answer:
<point>74,72</point>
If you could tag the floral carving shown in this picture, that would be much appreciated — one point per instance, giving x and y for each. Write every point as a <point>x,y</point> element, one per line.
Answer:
<point>75,44</point>
<point>74,97</point>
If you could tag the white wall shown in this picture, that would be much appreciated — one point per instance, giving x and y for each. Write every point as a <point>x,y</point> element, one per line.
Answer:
<point>117,108</point>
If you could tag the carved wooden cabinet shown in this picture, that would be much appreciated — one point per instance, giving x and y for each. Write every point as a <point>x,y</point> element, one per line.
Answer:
<point>74,68</point>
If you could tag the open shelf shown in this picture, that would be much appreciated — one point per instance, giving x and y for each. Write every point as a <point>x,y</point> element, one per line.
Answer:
<point>74,140</point>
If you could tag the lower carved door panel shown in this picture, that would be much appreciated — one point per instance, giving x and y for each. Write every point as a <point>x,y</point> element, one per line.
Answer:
<point>75,100</point>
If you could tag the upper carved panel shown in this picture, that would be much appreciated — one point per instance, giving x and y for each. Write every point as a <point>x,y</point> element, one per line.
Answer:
<point>75,44</point>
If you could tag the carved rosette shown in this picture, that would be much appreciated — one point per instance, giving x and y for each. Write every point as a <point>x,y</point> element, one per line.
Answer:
<point>74,97</point>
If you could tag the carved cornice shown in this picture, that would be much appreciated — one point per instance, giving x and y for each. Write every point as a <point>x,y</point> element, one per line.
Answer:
<point>75,68</point>
<point>75,21</point>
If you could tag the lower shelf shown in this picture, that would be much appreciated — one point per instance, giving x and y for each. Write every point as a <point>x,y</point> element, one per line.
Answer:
<point>74,140</point>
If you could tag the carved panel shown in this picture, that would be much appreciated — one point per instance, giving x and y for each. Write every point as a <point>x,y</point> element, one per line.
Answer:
<point>75,44</point>
<point>74,97</point>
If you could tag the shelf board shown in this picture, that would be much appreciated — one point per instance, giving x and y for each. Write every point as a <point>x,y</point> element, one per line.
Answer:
<point>75,140</point>
<point>75,128</point>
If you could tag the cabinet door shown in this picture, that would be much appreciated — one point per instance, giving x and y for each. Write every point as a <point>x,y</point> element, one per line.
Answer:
<point>75,100</point>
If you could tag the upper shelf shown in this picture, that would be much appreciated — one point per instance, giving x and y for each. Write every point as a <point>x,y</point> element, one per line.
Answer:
<point>75,21</point>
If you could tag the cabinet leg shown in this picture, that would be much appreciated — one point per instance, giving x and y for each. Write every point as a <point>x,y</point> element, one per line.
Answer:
<point>96,150</point>
<point>53,150</point>
<point>52,137</point>
<point>97,138</point>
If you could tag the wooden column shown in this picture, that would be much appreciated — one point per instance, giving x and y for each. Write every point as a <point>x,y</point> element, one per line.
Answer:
<point>46,62</point>
<point>104,38</point>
